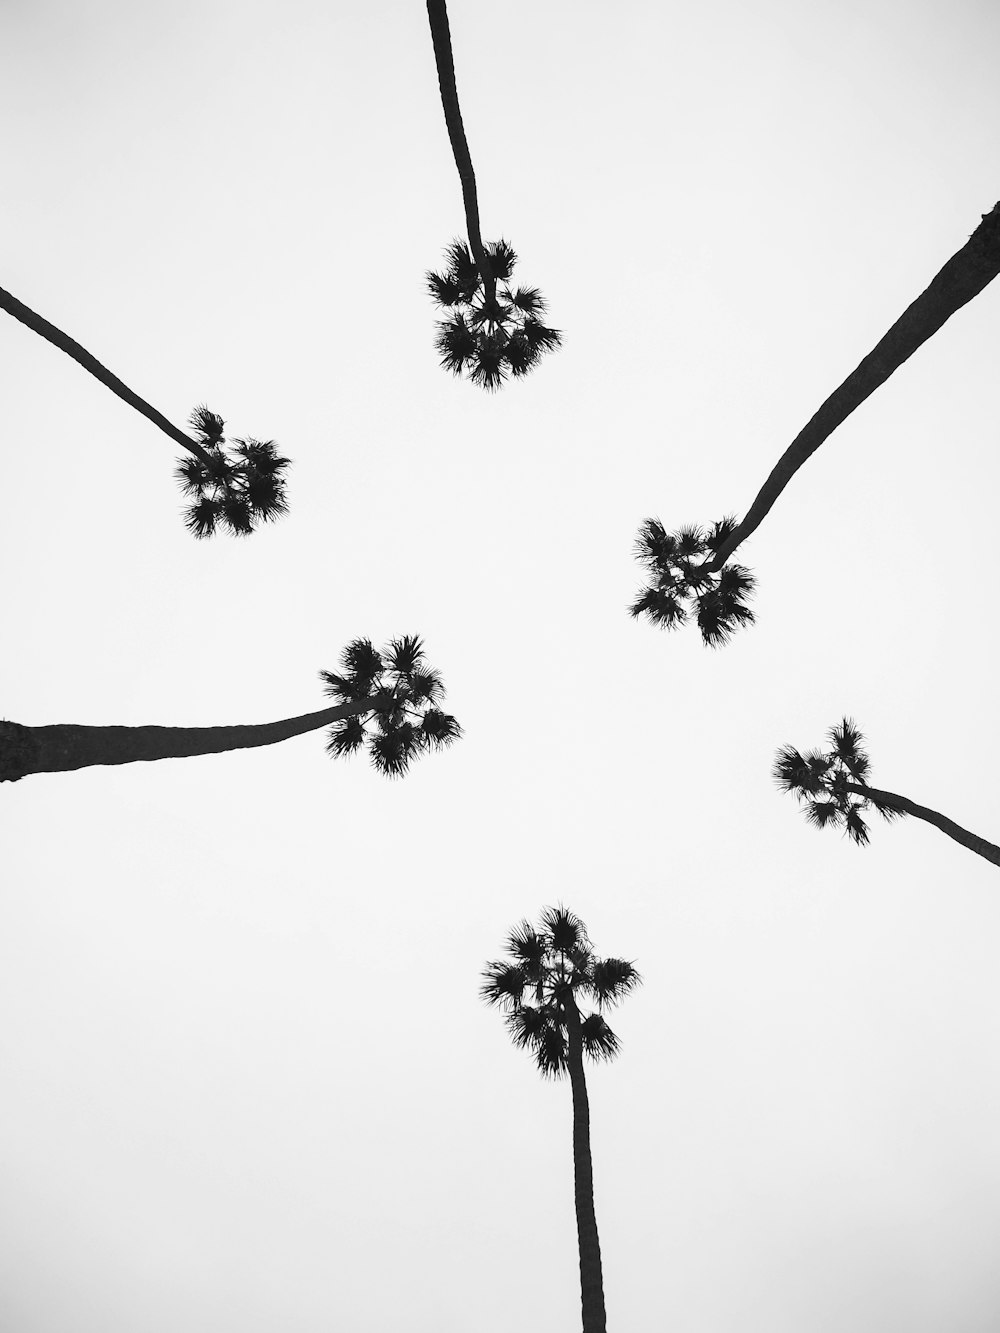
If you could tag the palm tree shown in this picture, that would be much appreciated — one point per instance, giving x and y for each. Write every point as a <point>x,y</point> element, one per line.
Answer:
<point>488,335</point>
<point>964,276</point>
<point>833,784</point>
<point>538,990</point>
<point>393,690</point>
<point>233,490</point>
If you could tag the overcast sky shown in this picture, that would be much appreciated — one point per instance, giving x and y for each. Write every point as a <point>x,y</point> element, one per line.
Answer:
<point>246,1082</point>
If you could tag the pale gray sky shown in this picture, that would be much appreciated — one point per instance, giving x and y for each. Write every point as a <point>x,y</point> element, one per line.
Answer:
<point>247,1084</point>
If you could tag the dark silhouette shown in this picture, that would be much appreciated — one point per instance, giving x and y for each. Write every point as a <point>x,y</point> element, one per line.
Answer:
<point>232,490</point>
<point>393,690</point>
<point>833,784</point>
<point>964,276</point>
<point>489,335</point>
<point>679,562</point>
<point>538,992</point>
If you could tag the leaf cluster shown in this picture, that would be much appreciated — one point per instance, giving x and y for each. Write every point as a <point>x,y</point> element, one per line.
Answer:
<point>682,585</point>
<point>238,487</point>
<point>539,987</point>
<point>404,720</point>
<point>819,780</point>
<point>492,330</point>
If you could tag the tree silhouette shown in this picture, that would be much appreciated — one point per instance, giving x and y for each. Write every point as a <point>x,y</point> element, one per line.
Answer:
<point>682,586</point>
<point>231,490</point>
<point>538,992</point>
<point>964,276</point>
<point>388,702</point>
<point>489,335</point>
<point>833,785</point>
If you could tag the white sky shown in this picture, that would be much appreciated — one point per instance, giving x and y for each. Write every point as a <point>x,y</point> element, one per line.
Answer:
<point>246,1084</point>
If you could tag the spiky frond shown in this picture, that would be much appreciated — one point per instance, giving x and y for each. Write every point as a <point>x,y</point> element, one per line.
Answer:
<point>439,729</point>
<point>503,984</point>
<point>611,979</point>
<point>599,1041</point>
<point>346,737</point>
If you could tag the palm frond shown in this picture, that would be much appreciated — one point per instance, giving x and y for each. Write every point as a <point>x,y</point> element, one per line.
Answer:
<point>208,426</point>
<point>720,531</point>
<point>439,729</point>
<point>551,1051</point>
<point>406,654</point>
<point>425,686</point>
<point>456,344</point>
<point>792,773</point>
<point>719,617</point>
<point>392,752</point>
<point>654,545</point>
<point>502,983</point>
<point>599,1042</point>
<point>527,946</point>
<point>526,1025</point>
<point>661,605</point>
<point>202,518</point>
<point>857,829</point>
<point>611,979</point>
<point>565,929</point>
<point>824,814</point>
<point>362,662</point>
<point>444,289</point>
<point>346,737</point>
<point>528,299</point>
<point>502,259</point>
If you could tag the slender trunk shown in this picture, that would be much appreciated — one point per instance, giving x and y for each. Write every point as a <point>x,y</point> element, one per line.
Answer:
<point>591,1276</point>
<point>82,357</point>
<point>964,276</point>
<point>907,807</point>
<point>61,748</point>
<point>437,13</point>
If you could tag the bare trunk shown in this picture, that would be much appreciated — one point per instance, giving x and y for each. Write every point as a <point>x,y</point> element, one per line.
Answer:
<point>64,747</point>
<point>964,276</point>
<point>437,13</point>
<point>907,807</point>
<point>591,1276</point>
<point>82,357</point>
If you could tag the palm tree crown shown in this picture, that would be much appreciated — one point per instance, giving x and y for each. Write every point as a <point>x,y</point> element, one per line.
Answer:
<point>549,971</point>
<point>405,719</point>
<point>231,490</point>
<point>492,332</point>
<point>684,583</point>
<point>827,782</point>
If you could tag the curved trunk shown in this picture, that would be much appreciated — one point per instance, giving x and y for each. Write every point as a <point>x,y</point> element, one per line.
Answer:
<point>82,357</point>
<point>907,807</point>
<point>437,14</point>
<point>591,1276</point>
<point>964,276</point>
<point>63,747</point>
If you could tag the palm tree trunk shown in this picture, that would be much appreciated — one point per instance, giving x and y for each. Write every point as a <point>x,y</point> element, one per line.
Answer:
<point>437,13</point>
<point>64,747</point>
<point>591,1276</point>
<point>82,357</point>
<point>964,276</point>
<point>907,807</point>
